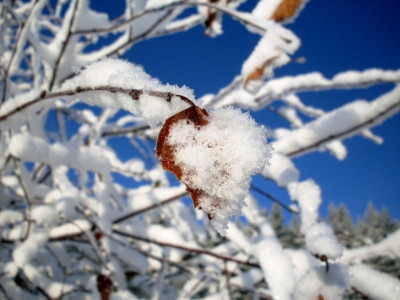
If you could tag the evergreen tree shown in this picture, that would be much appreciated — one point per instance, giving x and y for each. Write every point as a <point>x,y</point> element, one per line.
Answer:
<point>375,226</point>
<point>276,220</point>
<point>342,224</point>
<point>289,235</point>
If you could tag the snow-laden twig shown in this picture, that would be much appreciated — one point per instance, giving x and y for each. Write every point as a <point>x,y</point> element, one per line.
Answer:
<point>134,94</point>
<point>339,124</point>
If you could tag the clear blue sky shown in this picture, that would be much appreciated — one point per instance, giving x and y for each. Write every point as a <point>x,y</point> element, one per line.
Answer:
<point>336,36</point>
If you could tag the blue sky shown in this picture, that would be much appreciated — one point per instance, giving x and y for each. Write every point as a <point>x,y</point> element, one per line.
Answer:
<point>336,36</point>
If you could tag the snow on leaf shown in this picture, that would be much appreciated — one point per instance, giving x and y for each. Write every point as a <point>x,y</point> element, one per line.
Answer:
<point>165,151</point>
<point>214,155</point>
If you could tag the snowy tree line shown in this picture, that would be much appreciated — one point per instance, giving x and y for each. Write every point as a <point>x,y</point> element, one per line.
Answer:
<point>80,221</point>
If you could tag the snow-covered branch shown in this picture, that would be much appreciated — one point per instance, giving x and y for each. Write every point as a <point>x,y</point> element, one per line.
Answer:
<point>90,143</point>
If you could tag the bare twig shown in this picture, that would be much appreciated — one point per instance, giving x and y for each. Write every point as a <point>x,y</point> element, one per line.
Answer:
<point>148,208</point>
<point>273,199</point>
<point>124,131</point>
<point>186,3</point>
<point>188,249</point>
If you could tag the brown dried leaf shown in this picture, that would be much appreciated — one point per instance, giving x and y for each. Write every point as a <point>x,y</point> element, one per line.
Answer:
<point>285,10</point>
<point>259,72</point>
<point>165,152</point>
<point>256,74</point>
<point>208,22</point>
<point>104,285</point>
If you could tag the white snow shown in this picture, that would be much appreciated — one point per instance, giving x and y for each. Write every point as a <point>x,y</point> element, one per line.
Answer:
<point>89,19</point>
<point>319,237</point>
<point>345,121</point>
<point>281,169</point>
<point>10,217</point>
<point>122,74</point>
<point>319,283</point>
<point>265,8</point>
<point>374,284</point>
<point>271,51</point>
<point>29,248</point>
<point>44,215</point>
<point>219,159</point>
<point>308,194</point>
<point>30,148</point>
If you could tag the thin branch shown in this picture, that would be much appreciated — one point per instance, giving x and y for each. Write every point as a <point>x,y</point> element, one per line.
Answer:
<point>343,134</point>
<point>133,93</point>
<point>26,195</point>
<point>124,131</point>
<point>188,249</point>
<point>129,20</point>
<point>227,281</point>
<point>63,46</point>
<point>297,84</point>
<point>14,51</point>
<point>186,3</point>
<point>273,199</point>
<point>141,36</point>
<point>150,207</point>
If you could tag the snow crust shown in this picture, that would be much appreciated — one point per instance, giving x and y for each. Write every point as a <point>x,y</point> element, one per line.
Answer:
<point>220,159</point>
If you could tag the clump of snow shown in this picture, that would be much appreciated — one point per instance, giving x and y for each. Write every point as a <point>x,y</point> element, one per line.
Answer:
<point>117,73</point>
<point>319,283</point>
<point>374,284</point>
<point>29,248</point>
<point>123,74</point>
<point>276,265</point>
<point>308,194</point>
<point>156,110</point>
<point>44,215</point>
<point>10,217</point>
<point>320,239</point>
<point>89,19</point>
<point>281,170</point>
<point>219,159</point>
